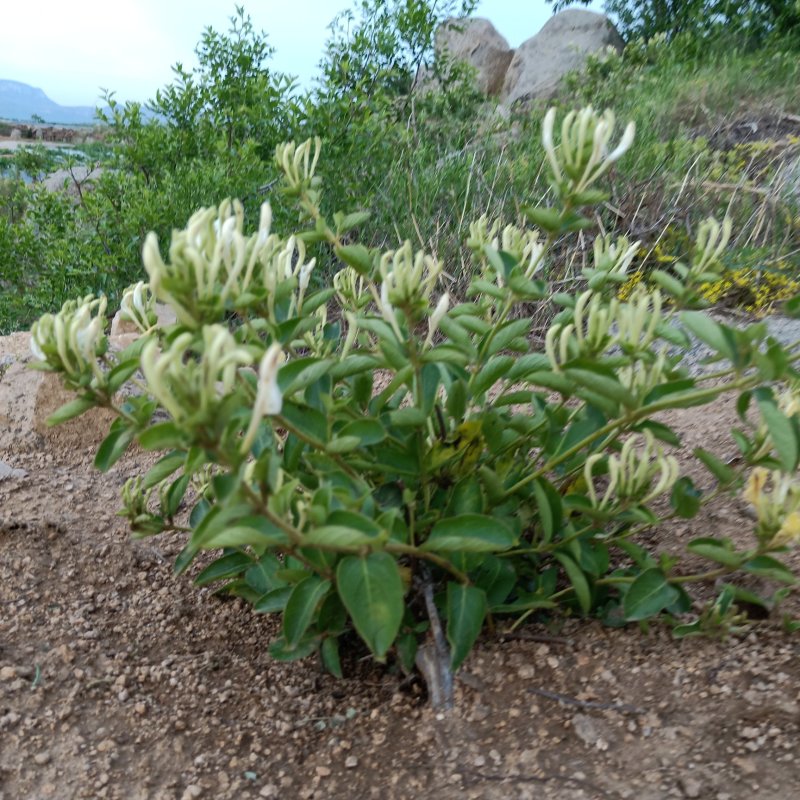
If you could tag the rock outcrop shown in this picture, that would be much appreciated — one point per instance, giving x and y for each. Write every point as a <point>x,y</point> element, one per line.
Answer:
<point>73,181</point>
<point>477,42</point>
<point>561,46</point>
<point>29,397</point>
<point>535,69</point>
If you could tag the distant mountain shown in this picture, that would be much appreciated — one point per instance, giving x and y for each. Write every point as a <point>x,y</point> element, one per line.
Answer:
<point>21,102</point>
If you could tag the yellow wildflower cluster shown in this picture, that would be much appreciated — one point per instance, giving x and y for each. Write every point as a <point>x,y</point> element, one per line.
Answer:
<point>747,288</point>
<point>778,510</point>
<point>754,290</point>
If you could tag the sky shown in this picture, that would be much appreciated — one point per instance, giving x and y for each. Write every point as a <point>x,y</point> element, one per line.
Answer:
<point>73,50</point>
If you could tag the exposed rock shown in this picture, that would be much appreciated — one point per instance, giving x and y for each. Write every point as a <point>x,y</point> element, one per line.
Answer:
<point>73,181</point>
<point>28,397</point>
<point>561,46</point>
<point>9,472</point>
<point>477,42</point>
<point>15,135</point>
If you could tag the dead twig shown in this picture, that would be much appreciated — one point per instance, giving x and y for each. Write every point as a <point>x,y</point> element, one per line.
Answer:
<point>535,637</point>
<point>593,704</point>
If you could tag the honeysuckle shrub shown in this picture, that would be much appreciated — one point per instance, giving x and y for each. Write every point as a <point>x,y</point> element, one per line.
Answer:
<point>375,457</point>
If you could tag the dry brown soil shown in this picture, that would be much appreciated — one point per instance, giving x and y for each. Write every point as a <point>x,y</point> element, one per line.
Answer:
<point>118,680</point>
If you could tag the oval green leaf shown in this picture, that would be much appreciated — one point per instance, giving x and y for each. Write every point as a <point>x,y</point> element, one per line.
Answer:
<point>372,592</point>
<point>469,533</point>
<point>648,595</point>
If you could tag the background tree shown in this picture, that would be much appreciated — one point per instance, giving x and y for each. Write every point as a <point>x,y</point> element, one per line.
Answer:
<point>751,19</point>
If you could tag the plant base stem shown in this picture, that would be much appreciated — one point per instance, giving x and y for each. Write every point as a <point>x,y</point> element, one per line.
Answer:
<point>433,658</point>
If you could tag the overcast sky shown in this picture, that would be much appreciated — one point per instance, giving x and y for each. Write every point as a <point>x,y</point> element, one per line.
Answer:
<point>71,49</point>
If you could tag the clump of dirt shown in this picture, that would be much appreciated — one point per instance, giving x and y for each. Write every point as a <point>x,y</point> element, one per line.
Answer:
<point>120,681</point>
<point>775,127</point>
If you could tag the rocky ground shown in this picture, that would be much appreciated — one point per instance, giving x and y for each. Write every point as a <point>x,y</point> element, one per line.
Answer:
<point>118,680</point>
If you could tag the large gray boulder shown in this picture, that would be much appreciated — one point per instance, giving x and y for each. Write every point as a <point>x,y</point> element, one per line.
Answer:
<point>561,46</point>
<point>477,42</point>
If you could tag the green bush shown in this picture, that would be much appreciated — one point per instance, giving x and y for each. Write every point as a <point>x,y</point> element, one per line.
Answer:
<point>748,21</point>
<point>372,458</point>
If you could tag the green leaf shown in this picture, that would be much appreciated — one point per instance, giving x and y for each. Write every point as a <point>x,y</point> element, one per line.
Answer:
<point>494,369</point>
<point>660,431</point>
<point>710,332</point>
<point>163,468</point>
<point>406,648</point>
<point>121,372</point>
<point>648,595</point>
<point>353,220</point>
<point>466,497</point>
<point>171,501</point>
<point>782,430</point>
<point>332,616</point>
<point>337,536</point>
<point>301,607</point>
<point>549,506</point>
<point>357,256</point>
<point>556,381</point>
<point>372,592</point>
<point>302,372</point>
<point>507,333</point>
<point>308,421</point>
<point>791,308</point>
<point>330,656</point>
<point>367,431</point>
<point>497,577</point>
<point>688,630</point>
<point>446,354</point>
<point>583,592</point>
<point>408,418</point>
<point>354,364</point>
<point>685,498</point>
<point>605,385</point>
<point>228,566</point>
<point>114,445</point>
<point>281,650</point>
<point>469,533</point>
<point>273,601</point>
<point>457,400</point>
<point>161,436</point>
<point>343,444</point>
<point>454,331</point>
<point>466,609</point>
<point>252,530</point>
<point>313,301</point>
<point>548,219</point>
<point>670,284</point>
<point>69,411</point>
<point>525,365</point>
<point>771,568</point>
<point>718,468</point>
<point>670,388</point>
<point>719,550</point>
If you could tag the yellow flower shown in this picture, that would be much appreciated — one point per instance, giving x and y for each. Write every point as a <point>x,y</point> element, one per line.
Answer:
<point>789,532</point>
<point>754,491</point>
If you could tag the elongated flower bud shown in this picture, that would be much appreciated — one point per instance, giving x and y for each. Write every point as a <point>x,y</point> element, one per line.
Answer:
<point>269,400</point>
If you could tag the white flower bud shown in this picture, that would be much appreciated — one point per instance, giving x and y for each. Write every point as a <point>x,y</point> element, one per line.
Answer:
<point>549,146</point>
<point>269,400</point>
<point>37,351</point>
<point>624,143</point>
<point>436,317</point>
